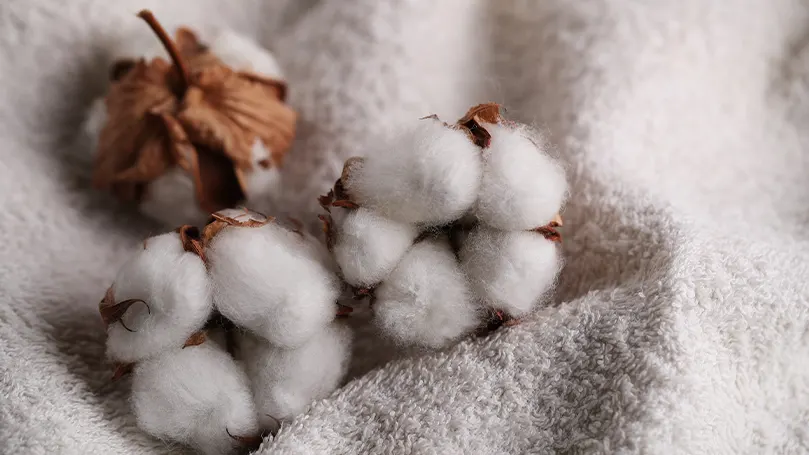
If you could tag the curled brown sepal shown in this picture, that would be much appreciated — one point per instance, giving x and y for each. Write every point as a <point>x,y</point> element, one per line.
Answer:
<point>249,442</point>
<point>121,370</point>
<point>344,310</point>
<point>326,200</point>
<point>251,222</point>
<point>191,238</point>
<point>337,197</point>
<point>219,221</point>
<point>550,231</point>
<point>328,230</point>
<point>196,339</point>
<point>112,312</point>
<point>472,122</point>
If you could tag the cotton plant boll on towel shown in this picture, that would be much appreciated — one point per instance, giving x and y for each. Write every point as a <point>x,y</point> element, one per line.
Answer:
<point>427,172</point>
<point>181,134</point>
<point>269,280</point>
<point>286,381</point>
<point>159,298</point>
<point>426,300</point>
<point>197,396</point>
<point>367,246</point>
<point>510,270</point>
<point>522,187</point>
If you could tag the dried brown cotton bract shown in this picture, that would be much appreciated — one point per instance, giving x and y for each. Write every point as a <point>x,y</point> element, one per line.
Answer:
<point>269,279</point>
<point>193,136</point>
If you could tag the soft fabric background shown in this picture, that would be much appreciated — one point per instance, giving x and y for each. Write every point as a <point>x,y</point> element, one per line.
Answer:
<point>680,323</point>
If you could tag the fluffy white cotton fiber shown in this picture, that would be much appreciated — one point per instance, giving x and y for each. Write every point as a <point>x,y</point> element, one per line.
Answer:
<point>270,281</point>
<point>522,187</point>
<point>425,173</point>
<point>197,396</point>
<point>176,291</point>
<point>510,270</point>
<point>367,246</point>
<point>286,381</point>
<point>426,300</point>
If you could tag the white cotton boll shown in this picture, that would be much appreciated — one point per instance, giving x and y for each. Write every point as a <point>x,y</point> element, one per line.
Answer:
<point>174,284</point>
<point>426,299</point>
<point>286,381</point>
<point>522,187</point>
<point>195,396</point>
<point>425,173</point>
<point>510,270</point>
<point>241,53</point>
<point>270,281</point>
<point>172,200</point>
<point>367,246</point>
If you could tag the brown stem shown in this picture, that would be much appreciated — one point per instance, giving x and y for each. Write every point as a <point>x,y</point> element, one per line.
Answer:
<point>167,42</point>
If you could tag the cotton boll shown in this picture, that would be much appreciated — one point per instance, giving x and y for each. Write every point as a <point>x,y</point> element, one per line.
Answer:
<point>426,299</point>
<point>510,270</point>
<point>196,396</point>
<point>522,187</point>
<point>286,381</point>
<point>175,291</point>
<point>426,173</point>
<point>367,246</point>
<point>270,281</point>
<point>241,53</point>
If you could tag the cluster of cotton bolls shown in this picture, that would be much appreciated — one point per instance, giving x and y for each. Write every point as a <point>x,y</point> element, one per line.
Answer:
<point>218,386</point>
<point>444,226</point>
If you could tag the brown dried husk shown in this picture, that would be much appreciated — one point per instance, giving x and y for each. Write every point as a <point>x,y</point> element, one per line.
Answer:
<point>207,129</point>
<point>474,118</point>
<point>220,221</point>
